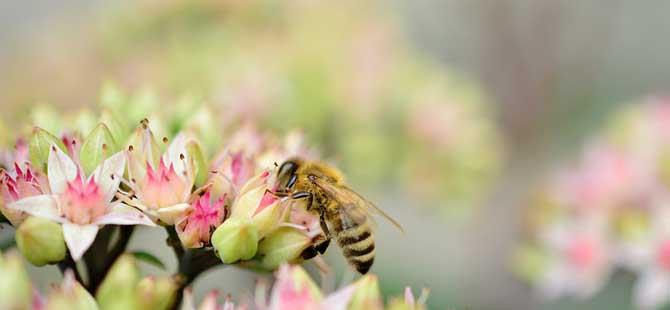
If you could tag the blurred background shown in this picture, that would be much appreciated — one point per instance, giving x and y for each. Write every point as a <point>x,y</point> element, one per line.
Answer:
<point>453,115</point>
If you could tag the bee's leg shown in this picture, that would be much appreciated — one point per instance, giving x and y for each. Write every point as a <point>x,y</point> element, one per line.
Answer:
<point>304,195</point>
<point>323,245</point>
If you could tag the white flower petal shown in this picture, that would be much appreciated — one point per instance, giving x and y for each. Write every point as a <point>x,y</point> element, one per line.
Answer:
<point>121,214</point>
<point>44,206</point>
<point>60,170</point>
<point>79,238</point>
<point>177,155</point>
<point>652,290</point>
<point>108,175</point>
<point>169,215</point>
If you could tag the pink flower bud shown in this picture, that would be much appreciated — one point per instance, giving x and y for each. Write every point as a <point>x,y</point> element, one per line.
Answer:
<point>201,218</point>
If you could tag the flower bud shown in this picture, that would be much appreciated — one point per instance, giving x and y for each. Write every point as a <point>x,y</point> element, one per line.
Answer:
<point>41,241</point>
<point>15,287</point>
<point>70,296</point>
<point>117,290</point>
<point>155,293</point>
<point>97,146</point>
<point>283,245</point>
<point>40,146</point>
<point>367,294</point>
<point>235,239</point>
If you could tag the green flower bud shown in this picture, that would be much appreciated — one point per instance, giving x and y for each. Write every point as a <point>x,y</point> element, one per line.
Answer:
<point>156,293</point>
<point>366,294</point>
<point>98,145</point>
<point>235,239</point>
<point>70,296</point>
<point>15,287</point>
<point>117,290</point>
<point>40,146</point>
<point>201,171</point>
<point>41,241</point>
<point>283,245</point>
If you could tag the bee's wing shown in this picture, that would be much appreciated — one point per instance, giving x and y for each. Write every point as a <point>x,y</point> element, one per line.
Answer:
<point>352,202</point>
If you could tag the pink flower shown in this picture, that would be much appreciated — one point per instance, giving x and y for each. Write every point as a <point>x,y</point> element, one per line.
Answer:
<point>201,218</point>
<point>14,186</point>
<point>81,204</point>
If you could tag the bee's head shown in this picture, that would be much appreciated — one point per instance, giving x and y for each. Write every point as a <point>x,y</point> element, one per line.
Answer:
<point>286,175</point>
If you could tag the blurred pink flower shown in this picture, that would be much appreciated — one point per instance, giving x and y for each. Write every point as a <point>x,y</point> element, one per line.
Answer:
<point>81,204</point>
<point>580,258</point>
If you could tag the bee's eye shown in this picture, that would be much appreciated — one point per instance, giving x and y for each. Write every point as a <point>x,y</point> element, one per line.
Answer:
<point>286,174</point>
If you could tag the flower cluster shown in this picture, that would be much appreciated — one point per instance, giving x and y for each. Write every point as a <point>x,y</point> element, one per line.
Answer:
<point>87,183</point>
<point>75,197</point>
<point>610,211</point>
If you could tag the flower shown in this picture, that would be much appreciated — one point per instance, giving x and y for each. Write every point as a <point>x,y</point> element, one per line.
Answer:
<point>580,259</point>
<point>14,186</point>
<point>162,184</point>
<point>294,289</point>
<point>204,215</point>
<point>82,204</point>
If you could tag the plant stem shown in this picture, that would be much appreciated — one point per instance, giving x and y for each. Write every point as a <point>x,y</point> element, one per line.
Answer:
<point>68,263</point>
<point>99,266</point>
<point>191,263</point>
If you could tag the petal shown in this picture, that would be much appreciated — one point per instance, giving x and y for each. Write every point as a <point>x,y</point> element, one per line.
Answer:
<point>340,299</point>
<point>175,152</point>
<point>169,215</point>
<point>122,214</point>
<point>79,238</point>
<point>108,175</point>
<point>60,170</point>
<point>44,206</point>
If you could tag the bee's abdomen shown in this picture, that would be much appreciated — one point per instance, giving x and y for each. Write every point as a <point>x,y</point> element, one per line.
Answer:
<point>358,246</point>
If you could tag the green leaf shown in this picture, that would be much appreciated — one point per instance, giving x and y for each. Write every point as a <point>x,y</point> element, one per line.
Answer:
<point>149,258</point>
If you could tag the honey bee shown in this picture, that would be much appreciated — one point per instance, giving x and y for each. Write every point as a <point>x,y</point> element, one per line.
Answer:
<point>344,215</point>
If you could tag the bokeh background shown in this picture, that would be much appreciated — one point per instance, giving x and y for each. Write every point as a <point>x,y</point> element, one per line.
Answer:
<point>450,114</point>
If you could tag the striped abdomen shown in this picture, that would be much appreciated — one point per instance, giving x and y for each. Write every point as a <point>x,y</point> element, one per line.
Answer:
<point>357,243</point>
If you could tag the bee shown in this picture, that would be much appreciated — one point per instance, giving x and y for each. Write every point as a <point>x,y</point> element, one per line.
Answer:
<point>344,215</point>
